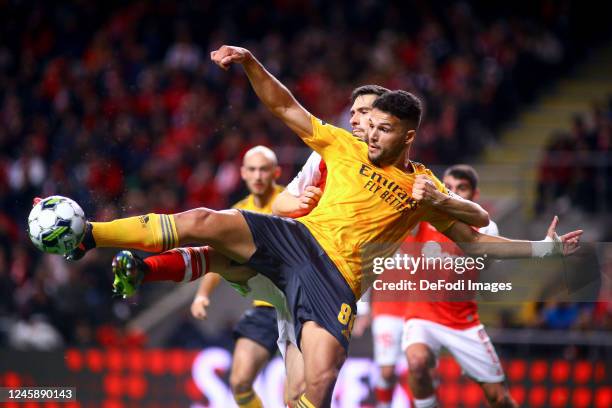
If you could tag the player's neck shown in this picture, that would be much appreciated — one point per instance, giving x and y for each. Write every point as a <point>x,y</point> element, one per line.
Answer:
<point>404,164</point>
<point>261,200</point>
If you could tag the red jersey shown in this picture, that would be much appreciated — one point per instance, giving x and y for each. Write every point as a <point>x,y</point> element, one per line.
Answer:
<point>454,314</point>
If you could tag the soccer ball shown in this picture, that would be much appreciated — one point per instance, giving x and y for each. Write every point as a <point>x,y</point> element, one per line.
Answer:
<point>56,225</point>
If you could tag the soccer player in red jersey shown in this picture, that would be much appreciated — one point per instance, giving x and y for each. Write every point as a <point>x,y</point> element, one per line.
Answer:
<point>453,325</point>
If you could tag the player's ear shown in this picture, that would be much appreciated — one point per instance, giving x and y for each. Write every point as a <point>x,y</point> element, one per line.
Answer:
<point>410,134</point>
<point>243,172</point>
<point>277,172</point>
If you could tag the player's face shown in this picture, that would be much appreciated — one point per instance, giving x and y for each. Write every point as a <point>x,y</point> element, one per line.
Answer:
<point>360,113</point>
<point>387,138</point>
<point>461,187</point>
<point>259,173</point>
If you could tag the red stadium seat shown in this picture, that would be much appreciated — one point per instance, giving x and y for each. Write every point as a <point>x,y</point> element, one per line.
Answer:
<point>450,394</point>
<point>156,362</point>
<point>603,397</point>
<point>517,370</point>
<point>449,370</point>
<point>518,393</point>
<point>559,397</point>
<point>560,371</point>
<point>136,360</point>
<point>537,396</point>
<point>74,360</point>
<point>539,370</point>
<point>113,385</point>
<point>95,360</point>
<point>472,395</point>
<point>136,386</point>
<point>583,370</point>
<point>114,360</point>
<point>582,397</point>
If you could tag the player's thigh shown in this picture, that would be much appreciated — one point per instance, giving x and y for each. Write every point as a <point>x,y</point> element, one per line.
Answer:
<point>249,359</point>
<point>421,344</point>
<point>294,365</point>
<point>474,352</point>
<point>387,335</point>
<point>323,357</point>
<point>227,231</point>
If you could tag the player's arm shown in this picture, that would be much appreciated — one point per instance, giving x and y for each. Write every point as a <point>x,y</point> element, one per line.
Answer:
<point>424,191</point>
<point>302,193</point>
<point>270,90</point>
<point>208,284</point>
<point>478,244</point>
<point>288,205</point>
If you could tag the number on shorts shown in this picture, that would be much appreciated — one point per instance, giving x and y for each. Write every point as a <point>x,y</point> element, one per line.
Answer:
<point>345,314</point>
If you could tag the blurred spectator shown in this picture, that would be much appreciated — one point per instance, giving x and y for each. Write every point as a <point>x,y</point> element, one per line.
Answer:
<point>575,170</point>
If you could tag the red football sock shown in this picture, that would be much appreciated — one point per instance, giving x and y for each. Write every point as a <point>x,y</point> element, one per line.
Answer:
<point>178,265</point>
<point>383,395</point>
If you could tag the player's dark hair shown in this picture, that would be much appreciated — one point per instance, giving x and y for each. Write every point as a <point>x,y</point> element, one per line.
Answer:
<point>368,90</point>
<point>463,172</point>
<point>401,104</point>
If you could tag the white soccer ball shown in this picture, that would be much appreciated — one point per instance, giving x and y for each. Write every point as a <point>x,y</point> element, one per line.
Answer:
<point>56,225</point>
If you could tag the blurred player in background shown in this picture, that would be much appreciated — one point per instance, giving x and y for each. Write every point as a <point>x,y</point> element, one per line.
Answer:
<point>453,325</point>
<point>257,331</point>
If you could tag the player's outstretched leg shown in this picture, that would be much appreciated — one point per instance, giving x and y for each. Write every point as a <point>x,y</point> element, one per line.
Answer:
<point>129,271</point>
<point>177,265</point>
<point>226,230</point>
<point>323,358</point>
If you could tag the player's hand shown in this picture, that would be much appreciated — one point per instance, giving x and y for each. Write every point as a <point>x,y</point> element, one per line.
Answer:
<point>424,191</point>
<point>227,54</point>
<point>310,198</point>
<point>35,201</point>
<point>361,324</point>
<point>198,307</point>
<point>565,244</point>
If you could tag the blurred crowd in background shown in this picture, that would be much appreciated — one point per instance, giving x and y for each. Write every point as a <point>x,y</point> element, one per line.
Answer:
<point>117,106</point>
<point>576,170</point>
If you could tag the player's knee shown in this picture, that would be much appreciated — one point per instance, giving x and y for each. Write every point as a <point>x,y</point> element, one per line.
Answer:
<point>419,364</point>
<point>194,225</point>
<point>322,382</point>
<point>240,383</point>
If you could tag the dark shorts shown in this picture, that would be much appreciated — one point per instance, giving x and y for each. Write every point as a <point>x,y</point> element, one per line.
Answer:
<point>289,256</point>
<point>259,324</point>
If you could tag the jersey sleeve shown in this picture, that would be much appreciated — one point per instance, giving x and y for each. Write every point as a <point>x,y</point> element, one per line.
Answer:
<point>327,138</point>
<point>441,221</point>
<point>309,175</point>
